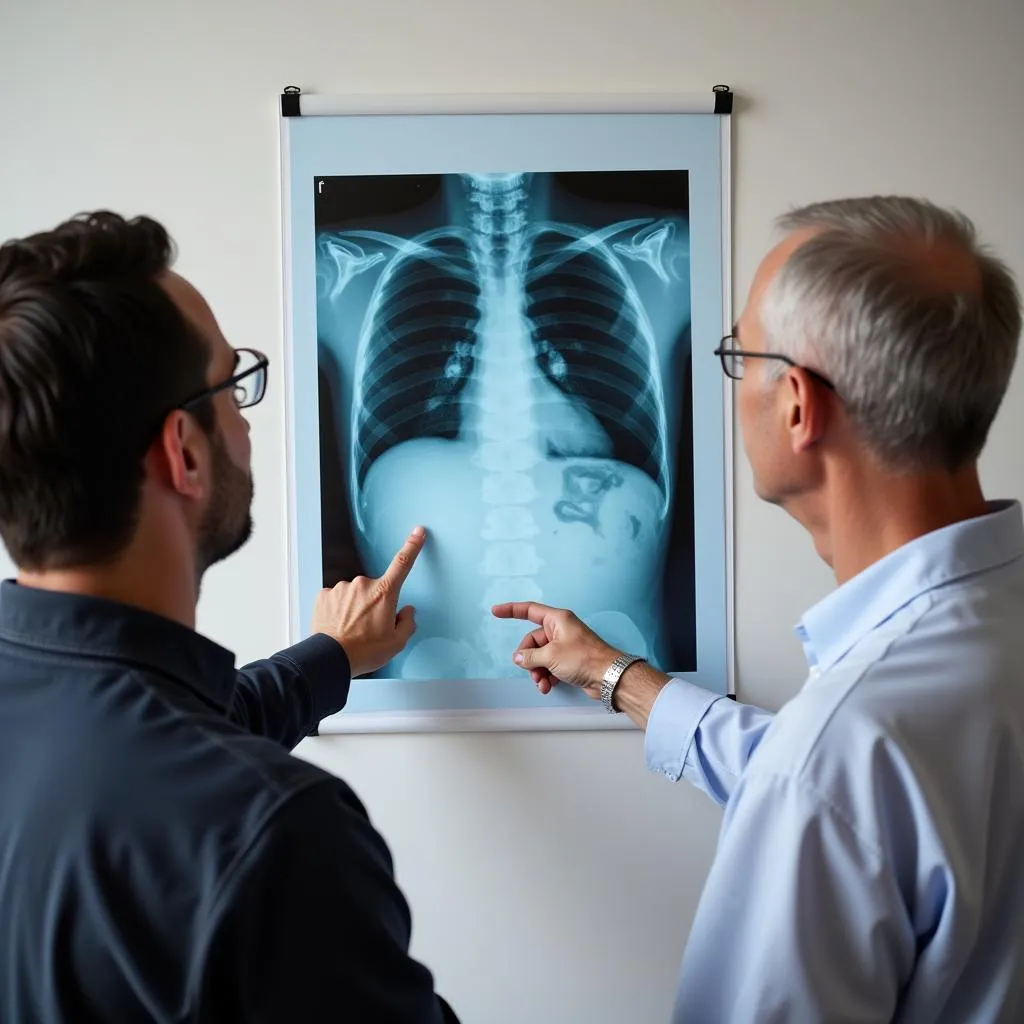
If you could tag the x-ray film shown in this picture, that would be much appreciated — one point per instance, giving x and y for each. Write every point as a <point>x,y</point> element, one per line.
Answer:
<point>512,357</point>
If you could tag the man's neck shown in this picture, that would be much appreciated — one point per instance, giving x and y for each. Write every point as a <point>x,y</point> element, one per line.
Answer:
<point>864,515</point>
<point>157,584</point>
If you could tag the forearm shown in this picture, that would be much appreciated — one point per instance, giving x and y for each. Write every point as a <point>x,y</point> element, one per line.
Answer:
<point>285,696</point>
<point>703,737</point>
<point>689,729</point>
<point>637,690</point>
<point>690,732</point>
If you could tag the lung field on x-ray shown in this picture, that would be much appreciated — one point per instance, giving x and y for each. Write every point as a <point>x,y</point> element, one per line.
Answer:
<point>505,358</point>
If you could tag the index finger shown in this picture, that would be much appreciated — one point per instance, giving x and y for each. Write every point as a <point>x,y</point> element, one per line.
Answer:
<point>532,611</point>
<point>401,565</point>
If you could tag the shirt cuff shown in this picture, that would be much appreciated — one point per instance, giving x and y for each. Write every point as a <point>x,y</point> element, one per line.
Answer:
<point>672,724</point>
<point>325,668</point>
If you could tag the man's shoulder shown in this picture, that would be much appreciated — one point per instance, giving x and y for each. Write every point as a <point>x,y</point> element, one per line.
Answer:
<point>824,729</point>
<point>118,794</point>
<point>904,710</point>
<point>209,775</point>
<point>170,776</point>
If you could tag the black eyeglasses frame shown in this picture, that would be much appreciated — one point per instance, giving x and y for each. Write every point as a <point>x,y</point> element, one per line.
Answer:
<point>724,352</point>
<point>260,366</point>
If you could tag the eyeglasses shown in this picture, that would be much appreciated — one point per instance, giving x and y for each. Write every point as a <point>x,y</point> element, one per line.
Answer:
<point>732,362</point>
<point>249,383</point>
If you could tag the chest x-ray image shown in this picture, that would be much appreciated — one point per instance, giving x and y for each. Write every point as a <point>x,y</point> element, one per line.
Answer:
<point>505,358</point>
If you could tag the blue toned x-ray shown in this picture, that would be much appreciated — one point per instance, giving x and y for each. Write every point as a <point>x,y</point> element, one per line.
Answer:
<point>505,358</point>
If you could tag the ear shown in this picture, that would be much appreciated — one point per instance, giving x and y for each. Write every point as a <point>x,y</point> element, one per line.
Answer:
<point>807,410</point>
<point>181,455</point>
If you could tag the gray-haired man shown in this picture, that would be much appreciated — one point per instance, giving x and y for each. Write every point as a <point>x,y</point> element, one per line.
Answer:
<point>869,864</point>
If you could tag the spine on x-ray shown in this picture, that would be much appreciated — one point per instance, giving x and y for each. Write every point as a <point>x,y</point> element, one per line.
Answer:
<point>468,322</point>
<point>502,417</point>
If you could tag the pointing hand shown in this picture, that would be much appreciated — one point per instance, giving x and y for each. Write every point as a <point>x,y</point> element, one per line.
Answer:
<point>363,616</point>
<point>562,648</point>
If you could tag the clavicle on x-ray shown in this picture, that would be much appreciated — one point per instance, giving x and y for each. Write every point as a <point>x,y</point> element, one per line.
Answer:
<point>504,358</point>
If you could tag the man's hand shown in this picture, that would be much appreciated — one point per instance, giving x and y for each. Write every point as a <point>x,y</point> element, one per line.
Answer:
<point>563,648</point>
<point>363,615</point>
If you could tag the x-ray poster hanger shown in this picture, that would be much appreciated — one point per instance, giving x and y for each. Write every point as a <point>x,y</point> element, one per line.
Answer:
<point>500,314</point>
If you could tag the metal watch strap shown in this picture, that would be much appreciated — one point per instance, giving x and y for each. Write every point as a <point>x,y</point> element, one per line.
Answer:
<point>611,679</point>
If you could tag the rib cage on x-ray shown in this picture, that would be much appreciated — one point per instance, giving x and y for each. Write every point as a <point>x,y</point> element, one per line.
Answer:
<point>571,301</point>
<point>523,337</point>
<point>418,355</point>
<point>593,342</point>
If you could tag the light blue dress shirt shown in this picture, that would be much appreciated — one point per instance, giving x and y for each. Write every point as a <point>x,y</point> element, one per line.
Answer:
<point>870,865</point>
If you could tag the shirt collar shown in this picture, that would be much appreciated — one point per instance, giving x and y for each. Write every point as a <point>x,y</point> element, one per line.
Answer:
<point>101,628</point>
<point>830,628</point>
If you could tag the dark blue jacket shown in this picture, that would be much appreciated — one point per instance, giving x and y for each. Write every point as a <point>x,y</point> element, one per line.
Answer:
<point>162,856</point>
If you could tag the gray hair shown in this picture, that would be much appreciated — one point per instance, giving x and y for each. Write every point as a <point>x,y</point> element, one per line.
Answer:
<point>921,369</point>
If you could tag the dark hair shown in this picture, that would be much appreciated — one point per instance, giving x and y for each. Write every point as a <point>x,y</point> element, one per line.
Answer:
<point>94,354</point>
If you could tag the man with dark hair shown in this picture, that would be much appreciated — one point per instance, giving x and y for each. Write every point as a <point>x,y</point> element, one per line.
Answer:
<point>162,856</point>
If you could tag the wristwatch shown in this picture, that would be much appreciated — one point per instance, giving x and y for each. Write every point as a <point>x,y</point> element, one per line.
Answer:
<point>611,679</point>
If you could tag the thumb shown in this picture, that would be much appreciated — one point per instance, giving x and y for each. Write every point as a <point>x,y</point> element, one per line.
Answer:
<point>536,657</point>
<point>405,624</point>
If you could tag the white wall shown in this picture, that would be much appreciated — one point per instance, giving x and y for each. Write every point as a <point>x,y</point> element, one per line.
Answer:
<point>551,879</point>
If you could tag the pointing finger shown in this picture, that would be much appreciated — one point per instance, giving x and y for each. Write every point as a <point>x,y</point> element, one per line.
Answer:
<point>401,565</point>
<point>532,611</point>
